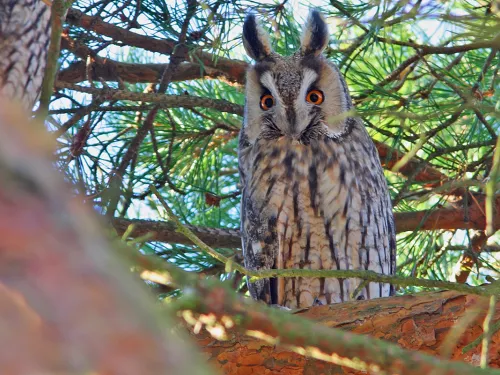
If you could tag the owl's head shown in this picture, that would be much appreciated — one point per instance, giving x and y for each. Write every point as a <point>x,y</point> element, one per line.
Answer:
<point>301,96</point>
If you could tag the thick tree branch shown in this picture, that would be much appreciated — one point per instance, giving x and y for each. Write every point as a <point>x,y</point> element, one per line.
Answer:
<point>111,70</point>
<point>164,231</point>
<point>58,275</point>
<point>420,322</point>
<point>275,327</point>
<point>233,68</point>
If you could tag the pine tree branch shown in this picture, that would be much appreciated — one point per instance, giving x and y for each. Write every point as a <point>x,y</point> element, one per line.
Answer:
<point>367,276</point>
<point>232,68</point>
<point>276,327</point>
<point>388,155</point>
<point>165,231</point>
<point>443,218</point>
<point>164,101</point>
<point>114,71</point>
<point>211,304</point>
<point>116,179</point>
<point>443,50</point>
<point>419,322</point>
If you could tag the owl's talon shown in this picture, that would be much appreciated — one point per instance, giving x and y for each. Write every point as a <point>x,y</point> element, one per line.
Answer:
<point>317,302</point>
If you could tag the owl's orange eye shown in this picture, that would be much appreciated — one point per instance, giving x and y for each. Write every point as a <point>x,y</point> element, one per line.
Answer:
<point>266,102</point>
<point>315,97</point>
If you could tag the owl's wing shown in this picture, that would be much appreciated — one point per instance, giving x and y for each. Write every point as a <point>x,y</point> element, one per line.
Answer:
<point>377,218</point>
<point>24,37</point>
<point>258,244</point>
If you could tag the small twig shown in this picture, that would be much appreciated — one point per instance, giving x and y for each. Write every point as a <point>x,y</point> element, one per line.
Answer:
<point>487,332</point>
<point>58,9</point>
<point>491,186</point>
<point>359,288</point>
<point>181,228</point>
<point>485,69</point>
<point>458,329</point>
<point>409,155</point>
<point>494,328</point>
<point>470,257</point>
<point>79,114</point>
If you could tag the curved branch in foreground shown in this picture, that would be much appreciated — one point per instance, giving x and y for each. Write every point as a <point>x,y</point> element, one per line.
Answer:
<point>443,218</point>
<point>419,322</point>
<point>67,304</point>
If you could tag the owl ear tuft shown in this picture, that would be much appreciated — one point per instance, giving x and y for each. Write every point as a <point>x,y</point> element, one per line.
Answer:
<point>255,39</point>
<point>315,35</point>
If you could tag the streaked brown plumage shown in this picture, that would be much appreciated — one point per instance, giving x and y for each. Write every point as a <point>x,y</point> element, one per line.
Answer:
<point>24,40</point>
<point>314,193</point>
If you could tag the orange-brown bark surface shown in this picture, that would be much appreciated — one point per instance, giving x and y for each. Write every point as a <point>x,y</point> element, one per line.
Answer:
<point>68,305</point>
<point>419,322</point>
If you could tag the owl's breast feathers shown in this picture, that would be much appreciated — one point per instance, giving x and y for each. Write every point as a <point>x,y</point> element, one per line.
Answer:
<point>323,205</point>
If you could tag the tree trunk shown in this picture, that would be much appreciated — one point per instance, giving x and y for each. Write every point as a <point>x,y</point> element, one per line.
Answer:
<point>417,322</point>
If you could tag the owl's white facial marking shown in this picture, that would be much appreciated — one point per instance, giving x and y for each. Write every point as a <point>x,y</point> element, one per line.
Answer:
<point>309,77</point>
<point>268,82</point>
<point>302,107</point>
<point>291,114</point>
<point>289,79</point>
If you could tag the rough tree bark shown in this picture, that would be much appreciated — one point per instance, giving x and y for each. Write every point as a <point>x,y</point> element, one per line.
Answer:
<point>417,322</point>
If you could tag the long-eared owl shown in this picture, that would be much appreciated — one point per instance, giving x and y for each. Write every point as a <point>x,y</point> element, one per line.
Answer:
<point>314,193</point>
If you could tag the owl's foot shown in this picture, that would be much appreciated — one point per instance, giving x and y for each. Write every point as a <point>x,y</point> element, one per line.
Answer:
<point>317,302</point>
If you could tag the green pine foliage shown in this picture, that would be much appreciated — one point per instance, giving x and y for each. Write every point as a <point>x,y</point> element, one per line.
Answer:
<point>417,89</point>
